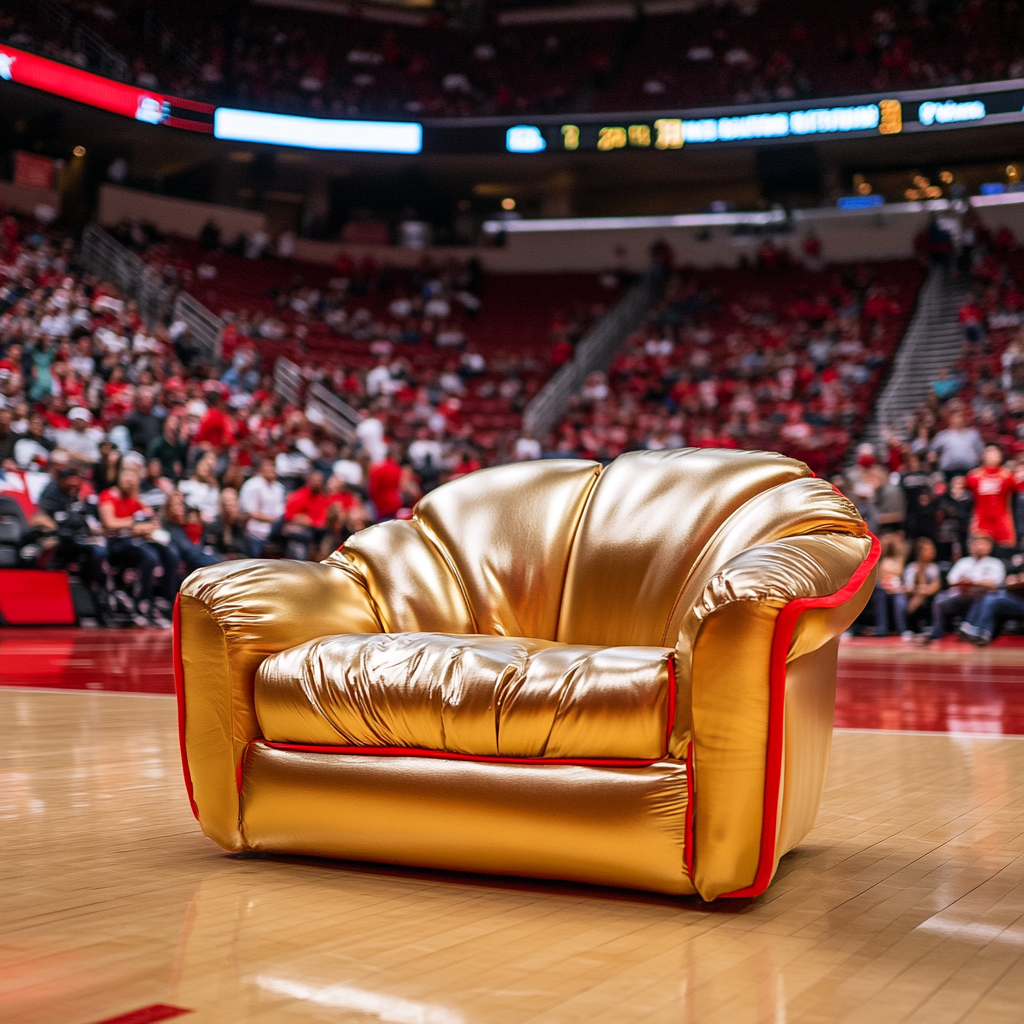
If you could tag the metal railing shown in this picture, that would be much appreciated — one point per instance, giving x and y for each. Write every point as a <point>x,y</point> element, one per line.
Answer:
<point>205,327</point>
<point>107,258</point>
<point>594,352</point>
<point>336,415</point>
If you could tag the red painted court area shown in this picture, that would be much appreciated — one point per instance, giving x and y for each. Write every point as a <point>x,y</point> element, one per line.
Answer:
<point>883,684</point>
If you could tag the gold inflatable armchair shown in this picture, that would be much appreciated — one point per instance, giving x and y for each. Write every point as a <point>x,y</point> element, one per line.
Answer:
<point>622,676</point>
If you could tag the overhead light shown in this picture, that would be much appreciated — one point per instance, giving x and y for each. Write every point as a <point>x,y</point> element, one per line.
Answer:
<point>508,204</point>
<point>79,151</point>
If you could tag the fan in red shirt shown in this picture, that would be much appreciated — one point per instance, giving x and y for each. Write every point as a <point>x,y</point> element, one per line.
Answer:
<point>382,486</point>
<point>993,488</point>
<point>308,505</point>
<point>216,429</point>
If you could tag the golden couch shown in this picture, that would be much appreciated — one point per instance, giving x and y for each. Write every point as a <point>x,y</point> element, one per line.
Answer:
<point>622,676</point>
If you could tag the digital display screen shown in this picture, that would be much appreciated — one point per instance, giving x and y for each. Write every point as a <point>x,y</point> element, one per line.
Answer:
<point>922,110</point>
<point>317,132</point>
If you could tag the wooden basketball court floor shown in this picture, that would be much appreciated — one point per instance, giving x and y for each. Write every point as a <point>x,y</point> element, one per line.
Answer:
<point>906,902</point>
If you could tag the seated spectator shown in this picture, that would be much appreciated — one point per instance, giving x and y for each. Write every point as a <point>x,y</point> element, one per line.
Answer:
<point>154,487</point>
<point>889,592</point>
<point>921,582</point>
<point>383,485</point>
<point>226,534</point>
<point>970,579</point>
<point>170,448</point>
<point>262,499</point>
<point>144,425</point>
<point>60,509</point>
<point>202,491</point>
<point>79,439</point>
<point>133,542</point>
<point>984,619</point>
<point>186,533</point>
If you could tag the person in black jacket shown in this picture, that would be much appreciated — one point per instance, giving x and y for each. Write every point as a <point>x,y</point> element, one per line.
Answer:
<point>61,511</point>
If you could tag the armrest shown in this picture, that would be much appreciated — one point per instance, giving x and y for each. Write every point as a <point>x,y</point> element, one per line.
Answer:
<point>762,700</point>
<point>228,619</point>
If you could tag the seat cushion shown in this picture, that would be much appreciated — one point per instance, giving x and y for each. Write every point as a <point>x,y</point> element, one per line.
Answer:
<point>470,695</point>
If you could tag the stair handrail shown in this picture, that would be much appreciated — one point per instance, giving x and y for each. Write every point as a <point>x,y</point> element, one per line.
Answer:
<point>594,352</point>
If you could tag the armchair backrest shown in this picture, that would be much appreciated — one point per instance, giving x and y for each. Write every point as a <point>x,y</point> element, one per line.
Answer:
<point>563,550</point>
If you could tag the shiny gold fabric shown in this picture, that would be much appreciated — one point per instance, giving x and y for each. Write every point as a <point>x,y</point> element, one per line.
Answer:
<point>484,695</point>
<point>409,579</point>
<point>608,826</point>
<point>507,533</point>
<point>233,616</point>
<point>696,551</point>
<point>735,621</point>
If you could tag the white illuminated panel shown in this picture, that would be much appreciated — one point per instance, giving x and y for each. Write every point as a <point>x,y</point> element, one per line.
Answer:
<point>317,132</point>
<point>950,112</point>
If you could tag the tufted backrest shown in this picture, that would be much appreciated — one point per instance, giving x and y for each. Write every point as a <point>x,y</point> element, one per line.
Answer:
<point>649,518</point>
<point>485,553</point>
<point>561,550</point>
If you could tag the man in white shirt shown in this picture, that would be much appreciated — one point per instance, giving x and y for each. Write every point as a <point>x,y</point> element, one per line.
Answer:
<point>971,578</point>
<point>262,500</point>
<point>80,439</point>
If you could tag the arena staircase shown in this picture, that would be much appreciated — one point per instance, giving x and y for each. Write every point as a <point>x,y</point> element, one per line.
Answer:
<point>933,341</point>
<point>594,352</point>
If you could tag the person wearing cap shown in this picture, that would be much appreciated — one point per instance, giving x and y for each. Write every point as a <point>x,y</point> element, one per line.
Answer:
<point>970,579</point>
<point>79,440</point>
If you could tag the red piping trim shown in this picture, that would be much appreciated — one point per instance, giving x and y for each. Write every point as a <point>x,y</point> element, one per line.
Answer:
<point>688,822</point>
<point>671,665</point>
<point>785,625</point>
<point>447,755</point>
<point>179,693</point>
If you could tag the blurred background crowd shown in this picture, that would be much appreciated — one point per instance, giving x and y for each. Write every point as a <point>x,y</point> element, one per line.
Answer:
<point>131,457</point>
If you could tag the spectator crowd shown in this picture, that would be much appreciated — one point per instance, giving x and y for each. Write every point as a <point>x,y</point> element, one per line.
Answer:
<point>135,457</point>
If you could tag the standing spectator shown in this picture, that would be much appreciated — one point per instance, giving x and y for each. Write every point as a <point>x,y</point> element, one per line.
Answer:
<point>958,447</point>
<point>970,579</point>
<point>993,487</point>
<point>383,485</point>
<point>262,500</point>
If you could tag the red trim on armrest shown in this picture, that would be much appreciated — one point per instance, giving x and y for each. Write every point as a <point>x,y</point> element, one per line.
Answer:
<point>179,693</point>
<point>781,640</point>
<point>688,821</point>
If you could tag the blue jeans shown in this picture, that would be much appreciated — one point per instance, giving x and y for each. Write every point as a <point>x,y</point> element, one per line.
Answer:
<point>945,605</point>
<point>992,609</point>
<point>880,599</point>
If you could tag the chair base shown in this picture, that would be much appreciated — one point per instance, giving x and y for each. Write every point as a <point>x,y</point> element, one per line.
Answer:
<point>604,826</point>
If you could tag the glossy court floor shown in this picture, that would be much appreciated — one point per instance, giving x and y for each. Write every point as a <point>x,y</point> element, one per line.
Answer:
<point>906,902</point>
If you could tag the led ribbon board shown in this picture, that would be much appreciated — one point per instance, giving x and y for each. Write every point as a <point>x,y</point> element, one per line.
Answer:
<point>83,86</point>
<point>317,132</point>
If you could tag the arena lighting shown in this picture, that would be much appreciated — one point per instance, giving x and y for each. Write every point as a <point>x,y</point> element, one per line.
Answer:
<point>950,112</point>
<point>318,132</point>
<point>524,138</point>
<point>683,220</point>
<point>83,86</point>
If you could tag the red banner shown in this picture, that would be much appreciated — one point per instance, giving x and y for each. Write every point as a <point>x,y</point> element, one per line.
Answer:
<point>33,170</point>
<point>83,86</point>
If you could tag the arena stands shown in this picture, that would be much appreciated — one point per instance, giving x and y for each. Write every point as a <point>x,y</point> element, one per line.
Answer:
<point>771,357</point>
<point>131,459</point>
<point>306,62</point>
